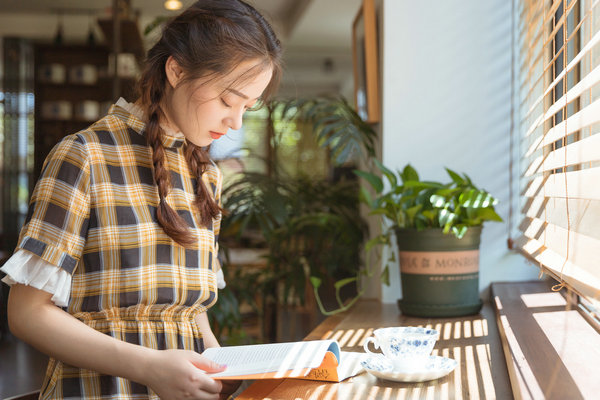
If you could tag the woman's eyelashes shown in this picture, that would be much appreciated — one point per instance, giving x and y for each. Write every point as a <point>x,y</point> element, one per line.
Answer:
<point>246,107</point>
<point>225,103</point>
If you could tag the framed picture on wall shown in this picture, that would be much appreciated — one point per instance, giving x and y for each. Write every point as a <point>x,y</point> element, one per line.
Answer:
<point>365,60</point>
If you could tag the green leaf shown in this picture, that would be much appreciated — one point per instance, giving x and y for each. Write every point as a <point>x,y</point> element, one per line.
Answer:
<point>455,177</point>
<point>431,215</point>
<point>446,218</point>
<point>387,172</point>
<point>343,282</point>
<point>476,199</point>
<point>385,276</point>
<point>409,174</point>
<point>330,132</point>
<point>292,108</point>
<point>420,185</point>
<point>400,219</point>
<point>315,281</point>
<point>423,219</point>
<point>376,241</point>
<point>488,214</point>
<point>447,192</point>
<point>438,201</point>
<point>365,197</point>
<point>459,230</point>
<point>375,181</point>
<point>412,211</point>
<point>424,197</point>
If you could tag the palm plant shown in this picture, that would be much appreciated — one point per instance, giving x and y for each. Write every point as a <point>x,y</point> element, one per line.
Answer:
<point>311,229</point>
<point>336,126</point>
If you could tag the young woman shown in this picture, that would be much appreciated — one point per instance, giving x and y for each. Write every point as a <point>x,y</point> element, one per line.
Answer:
<point>116,264</point>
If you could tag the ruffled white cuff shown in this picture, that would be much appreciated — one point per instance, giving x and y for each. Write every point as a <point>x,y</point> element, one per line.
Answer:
<point>29,269</point>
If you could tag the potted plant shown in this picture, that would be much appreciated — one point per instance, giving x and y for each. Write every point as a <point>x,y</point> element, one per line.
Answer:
<point>438,228</point>
<point>309,227</point>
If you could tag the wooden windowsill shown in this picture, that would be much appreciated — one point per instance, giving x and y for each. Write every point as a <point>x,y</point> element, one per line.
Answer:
<point>551,350</point>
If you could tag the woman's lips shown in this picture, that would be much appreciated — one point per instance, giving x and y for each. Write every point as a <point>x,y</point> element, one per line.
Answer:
<point>216,135</point>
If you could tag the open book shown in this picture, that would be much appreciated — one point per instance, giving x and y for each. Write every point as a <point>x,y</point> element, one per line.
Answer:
<point>315,359</point>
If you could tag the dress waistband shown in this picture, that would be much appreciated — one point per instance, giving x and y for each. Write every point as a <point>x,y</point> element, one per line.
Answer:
<point>141,313</point>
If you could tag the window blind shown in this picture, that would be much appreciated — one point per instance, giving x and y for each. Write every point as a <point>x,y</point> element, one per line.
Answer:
<point>559,91</point>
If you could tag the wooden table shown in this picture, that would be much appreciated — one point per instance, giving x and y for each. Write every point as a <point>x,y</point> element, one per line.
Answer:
<point>473,341</point>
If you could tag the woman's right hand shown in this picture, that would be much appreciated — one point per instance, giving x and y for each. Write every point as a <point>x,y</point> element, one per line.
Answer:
<point>181,374</point>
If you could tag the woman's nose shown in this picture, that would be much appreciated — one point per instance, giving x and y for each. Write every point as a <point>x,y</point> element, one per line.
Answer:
<point>235,119</point>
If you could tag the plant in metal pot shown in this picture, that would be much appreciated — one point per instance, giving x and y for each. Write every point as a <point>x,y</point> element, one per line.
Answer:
<point>437,227</point>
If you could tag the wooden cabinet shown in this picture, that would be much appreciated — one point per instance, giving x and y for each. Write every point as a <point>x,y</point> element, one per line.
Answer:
<point>72,89</point>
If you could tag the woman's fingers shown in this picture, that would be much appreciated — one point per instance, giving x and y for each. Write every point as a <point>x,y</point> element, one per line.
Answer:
<point>208,384</point>
<point>206,364</point>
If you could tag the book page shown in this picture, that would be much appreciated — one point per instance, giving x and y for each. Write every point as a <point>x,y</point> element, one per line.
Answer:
<point>276,357</point>
<point>349,364</point>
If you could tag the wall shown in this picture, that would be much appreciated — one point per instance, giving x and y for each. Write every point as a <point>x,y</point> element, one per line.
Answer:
<point>446,102</point>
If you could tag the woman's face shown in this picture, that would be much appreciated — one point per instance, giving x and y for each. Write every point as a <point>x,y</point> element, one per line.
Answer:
<point>204,111</point>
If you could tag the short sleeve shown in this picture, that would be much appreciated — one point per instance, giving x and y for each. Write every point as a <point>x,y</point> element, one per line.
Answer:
<point>56,225</point>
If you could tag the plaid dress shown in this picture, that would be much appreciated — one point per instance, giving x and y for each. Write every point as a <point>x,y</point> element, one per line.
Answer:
<point>93,214</point>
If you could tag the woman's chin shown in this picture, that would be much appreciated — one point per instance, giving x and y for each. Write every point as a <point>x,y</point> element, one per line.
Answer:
<point>201,142</point>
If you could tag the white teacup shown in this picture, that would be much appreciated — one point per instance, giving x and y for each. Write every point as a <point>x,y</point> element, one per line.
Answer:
<point>407,347</point>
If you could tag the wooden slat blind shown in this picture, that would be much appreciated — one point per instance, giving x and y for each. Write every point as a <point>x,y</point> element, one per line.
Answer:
<point>559,47</point>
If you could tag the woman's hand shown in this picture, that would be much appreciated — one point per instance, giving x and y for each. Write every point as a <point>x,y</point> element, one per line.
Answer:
<point>181,374</point>
<point>209,339</point>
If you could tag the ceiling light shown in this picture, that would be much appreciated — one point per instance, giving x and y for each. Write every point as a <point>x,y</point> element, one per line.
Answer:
<point>173,4</point>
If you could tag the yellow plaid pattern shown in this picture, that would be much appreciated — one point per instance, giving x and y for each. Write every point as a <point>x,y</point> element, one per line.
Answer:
<point>93,214</point>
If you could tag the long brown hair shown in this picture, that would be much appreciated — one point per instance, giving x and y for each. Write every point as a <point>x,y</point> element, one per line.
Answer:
<point>208,40</point>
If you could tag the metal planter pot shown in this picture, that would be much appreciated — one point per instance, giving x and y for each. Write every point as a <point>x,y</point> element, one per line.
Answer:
<point>439,273</point>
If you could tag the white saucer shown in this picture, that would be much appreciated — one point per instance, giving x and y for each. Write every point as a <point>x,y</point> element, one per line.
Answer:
<point>435,368</point>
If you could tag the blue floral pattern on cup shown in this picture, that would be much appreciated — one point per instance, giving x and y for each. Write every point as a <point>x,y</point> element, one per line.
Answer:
<point>403,341</point>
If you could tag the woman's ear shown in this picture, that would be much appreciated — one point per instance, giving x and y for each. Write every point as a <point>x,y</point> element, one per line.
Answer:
<point>173,71</point>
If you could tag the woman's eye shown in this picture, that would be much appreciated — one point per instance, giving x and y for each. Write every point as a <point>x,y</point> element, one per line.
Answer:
<point>225,103</point>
